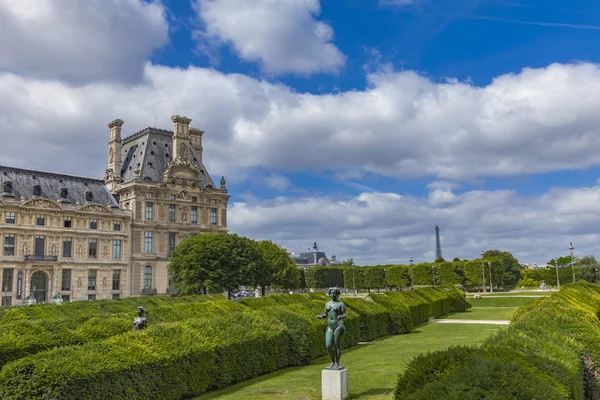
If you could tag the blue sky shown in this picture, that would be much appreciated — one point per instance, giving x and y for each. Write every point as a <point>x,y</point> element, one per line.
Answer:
<point>468,40</point>
<point>355,123</point>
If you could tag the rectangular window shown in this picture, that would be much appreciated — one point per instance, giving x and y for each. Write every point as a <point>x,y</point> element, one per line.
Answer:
<point>213,201</point>
<point>92,279</point>
<point>194,215</point>
<point>68,222</point>
<point>171,241</point>
<point>149,211</point>
<point>172,197</point>
<point>93,249</point>
<point>117,226</point>
<point>116,249</point>
<point>67,247</point>
<point>7,280</point>
<point>115,296</point>
<point>66,298</point>
<point>6,301</point>
<point>65,279</point>
<point>147,277</point>
<point>194,199</point>
<point>116,279</point>
<point>213,216</point>
<point>148,242</point>
<point>149,195</point>
<point>10,218</point>
<point>91,297</point>
<point>40,246</point>
<point>9,245</point>
<point>171,212</point>
<point>93,223</point>
<point>40,220</point>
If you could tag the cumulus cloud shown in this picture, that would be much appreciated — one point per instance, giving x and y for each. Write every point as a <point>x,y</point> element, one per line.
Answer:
<point>388,228</point>
<point>283,36</point>
<point>80,41</point>
<point>403,125</point>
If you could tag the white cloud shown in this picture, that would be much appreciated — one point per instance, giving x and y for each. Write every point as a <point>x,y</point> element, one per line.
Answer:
<point>389,228</point>
<point>80,41</point>
<point>403,125</point>
<point>284,36</point>
<point>278,182</point>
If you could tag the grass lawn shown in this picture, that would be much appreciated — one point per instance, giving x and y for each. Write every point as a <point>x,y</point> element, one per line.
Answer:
<point>489,313</point>
<point>373,368</point>
<point>515,294</point>
<point>501,301</point>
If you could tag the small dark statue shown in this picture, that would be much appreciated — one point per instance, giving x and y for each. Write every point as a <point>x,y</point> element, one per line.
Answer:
<point>335,312</point>
<point>139,322</point>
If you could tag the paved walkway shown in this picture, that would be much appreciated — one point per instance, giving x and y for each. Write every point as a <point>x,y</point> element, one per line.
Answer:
<point>471,321</point>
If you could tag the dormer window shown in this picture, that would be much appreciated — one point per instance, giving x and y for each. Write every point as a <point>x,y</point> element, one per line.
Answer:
<point>37,190</point>
<point>7,187</point>
<point>89,196</point>
<point>64,193</point>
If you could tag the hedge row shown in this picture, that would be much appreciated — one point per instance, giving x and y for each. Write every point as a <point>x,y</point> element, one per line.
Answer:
<point>35,328</point>
<point>550,349</point>
<point>222,343</point>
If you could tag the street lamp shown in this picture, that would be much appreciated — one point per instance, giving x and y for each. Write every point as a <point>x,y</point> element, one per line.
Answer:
<point>557,279</point>
<point>412,282</point>
<point>571,248</point>
<point>482,272</point>
<point>491,285</point>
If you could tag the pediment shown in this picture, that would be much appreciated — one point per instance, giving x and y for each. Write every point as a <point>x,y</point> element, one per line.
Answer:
<point>94,208</point>
<point>42,203</point>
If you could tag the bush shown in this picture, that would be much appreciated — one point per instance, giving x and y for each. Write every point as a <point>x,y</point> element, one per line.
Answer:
<point>192,345</point>
<point>550,349</point>
<point>324,277</point>
<point>373,318</point>
<point>528,283</point>
<point>31,329</point>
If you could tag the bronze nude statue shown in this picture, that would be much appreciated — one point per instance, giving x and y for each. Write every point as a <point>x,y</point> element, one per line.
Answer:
<point>139,322</point>
<point>335,312</point>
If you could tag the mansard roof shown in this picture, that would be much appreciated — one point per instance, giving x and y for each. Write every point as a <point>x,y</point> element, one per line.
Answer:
<point>27,184</point>
<point>151,150</point>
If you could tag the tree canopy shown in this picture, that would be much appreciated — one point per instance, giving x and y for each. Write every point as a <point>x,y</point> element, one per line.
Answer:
<point>217,262</point>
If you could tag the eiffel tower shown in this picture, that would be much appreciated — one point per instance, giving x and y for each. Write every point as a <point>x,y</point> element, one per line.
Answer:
<point>438,246</point>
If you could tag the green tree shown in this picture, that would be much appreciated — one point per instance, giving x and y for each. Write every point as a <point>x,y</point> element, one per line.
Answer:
<point>276,268</point>
<point>512,268</point>
<point>214,262</point>
<point>449,273</point>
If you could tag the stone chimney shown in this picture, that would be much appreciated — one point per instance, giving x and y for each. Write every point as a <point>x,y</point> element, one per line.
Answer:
<point>181,136</point>
<point>196,140</point>
<point>113,172</point>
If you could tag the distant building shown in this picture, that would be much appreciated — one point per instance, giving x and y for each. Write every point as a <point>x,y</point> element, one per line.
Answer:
<point>313,258</point>
<point>535,266</point>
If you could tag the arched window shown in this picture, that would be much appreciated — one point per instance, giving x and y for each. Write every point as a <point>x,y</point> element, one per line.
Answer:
<point>37,190</point>
<point>147,277</point>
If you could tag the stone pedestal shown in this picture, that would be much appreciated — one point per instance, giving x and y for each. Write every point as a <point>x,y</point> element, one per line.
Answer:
<point>334,384</point>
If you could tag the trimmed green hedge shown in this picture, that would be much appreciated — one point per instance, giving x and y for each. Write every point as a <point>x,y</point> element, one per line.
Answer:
<point>35,328</point>
<point>550,349</point>
<point>212,344</point>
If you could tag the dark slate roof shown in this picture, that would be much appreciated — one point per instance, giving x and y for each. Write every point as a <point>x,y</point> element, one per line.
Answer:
<point>152,149</point>
<point>300,260</point>
<point>50,185</point>
<point>310,256</point>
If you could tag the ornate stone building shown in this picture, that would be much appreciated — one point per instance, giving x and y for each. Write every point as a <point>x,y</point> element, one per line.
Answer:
<point>89,239</point>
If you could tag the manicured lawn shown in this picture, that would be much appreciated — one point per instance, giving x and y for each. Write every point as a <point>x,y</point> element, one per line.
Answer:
<point>489,313</point>
<point>501,301</point>
<point>536,293</point>
<point>373,368</point>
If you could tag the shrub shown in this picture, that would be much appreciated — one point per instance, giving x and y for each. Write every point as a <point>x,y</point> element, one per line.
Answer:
<point>324,277</point>
<point>550,348</point>
<point>28,330</point>
<point>373,318</point>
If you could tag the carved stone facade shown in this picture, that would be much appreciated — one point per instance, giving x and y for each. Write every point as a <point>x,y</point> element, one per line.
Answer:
<point>87,239</point>
<point>61,244</point>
